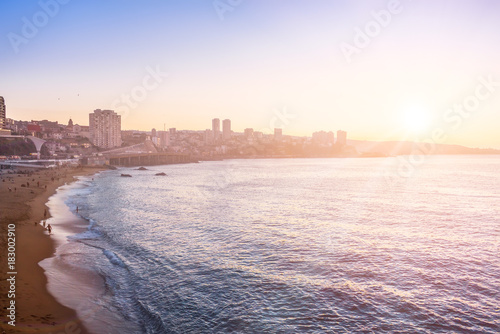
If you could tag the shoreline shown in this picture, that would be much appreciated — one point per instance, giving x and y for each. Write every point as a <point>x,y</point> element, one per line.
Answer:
<point>37,311</point>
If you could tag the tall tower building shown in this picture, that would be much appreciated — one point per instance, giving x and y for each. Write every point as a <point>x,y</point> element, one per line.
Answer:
<point>341,138</point>
<point>3,115</point>
<point>164,138</point>
<point>226,129</point>
<point>105,128</point>
<point>216,129</point>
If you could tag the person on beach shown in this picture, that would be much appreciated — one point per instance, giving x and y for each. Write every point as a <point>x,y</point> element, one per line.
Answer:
<point>49,228</point>
<point>44,223</point>
<point>77,209</point>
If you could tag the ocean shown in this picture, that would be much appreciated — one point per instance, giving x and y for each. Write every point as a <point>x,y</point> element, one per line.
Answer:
<point>283,246</point>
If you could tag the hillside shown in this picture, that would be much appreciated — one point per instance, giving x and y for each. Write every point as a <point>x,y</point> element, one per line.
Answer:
<point>391,148</point>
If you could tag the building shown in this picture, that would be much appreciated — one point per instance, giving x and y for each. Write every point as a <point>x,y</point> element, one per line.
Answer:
<point>3,116</point>
<point>164,139</point>
<point>34,130</point>
<point>81,131</point>
<point>341,138</point>
<point>105,128</point>
<point>216,129</point>
<point>248,133</point>
<point>172,131</point>
<point>50,126</point>
<point>278,134</point>
<point>226,129</point>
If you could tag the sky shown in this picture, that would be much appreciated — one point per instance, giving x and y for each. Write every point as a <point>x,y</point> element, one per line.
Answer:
<point>380,70</point>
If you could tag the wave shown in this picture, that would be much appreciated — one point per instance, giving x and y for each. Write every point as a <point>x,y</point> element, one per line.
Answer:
<point>113,258</point>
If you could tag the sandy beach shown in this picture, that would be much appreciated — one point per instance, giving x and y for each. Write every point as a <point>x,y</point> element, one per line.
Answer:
<point>23,203</point>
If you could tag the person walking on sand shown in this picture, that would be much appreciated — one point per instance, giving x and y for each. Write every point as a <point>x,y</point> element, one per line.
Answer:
<point>77,209</point>
<point>49,228</point>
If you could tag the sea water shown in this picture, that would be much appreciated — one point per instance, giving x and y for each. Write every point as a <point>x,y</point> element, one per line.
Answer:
<point>285,246</point>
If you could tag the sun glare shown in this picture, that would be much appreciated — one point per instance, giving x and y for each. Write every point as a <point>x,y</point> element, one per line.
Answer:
<point>416,119</point>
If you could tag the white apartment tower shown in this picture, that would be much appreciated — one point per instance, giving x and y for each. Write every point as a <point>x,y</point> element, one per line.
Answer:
<point>105,128</point>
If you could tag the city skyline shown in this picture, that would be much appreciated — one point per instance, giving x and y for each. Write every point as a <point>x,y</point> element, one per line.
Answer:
<point>215,131</point>
<point>416,73</point>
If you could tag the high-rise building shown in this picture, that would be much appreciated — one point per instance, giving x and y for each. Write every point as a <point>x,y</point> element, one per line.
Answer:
<point>164,138</point>
<point>278,134</point>
<point>153,132</point>
<point>3,115</point>
<point>105,128</point>
<point>172,131</point>
<point>226,129</point>
<point>216,129</point>
<point>341,138</point>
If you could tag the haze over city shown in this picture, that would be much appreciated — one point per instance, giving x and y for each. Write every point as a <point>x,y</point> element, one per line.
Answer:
<point>314,59</point>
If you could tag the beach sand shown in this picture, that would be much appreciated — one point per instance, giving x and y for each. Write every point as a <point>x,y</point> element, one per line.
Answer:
<point>36,310</point>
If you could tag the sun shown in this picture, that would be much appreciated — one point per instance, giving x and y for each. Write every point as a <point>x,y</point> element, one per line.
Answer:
<point>417,119</point>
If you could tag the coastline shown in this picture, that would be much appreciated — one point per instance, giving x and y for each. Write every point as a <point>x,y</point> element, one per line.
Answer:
<point>37,311</point>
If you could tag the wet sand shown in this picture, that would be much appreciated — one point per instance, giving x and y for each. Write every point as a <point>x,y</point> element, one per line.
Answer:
<point>37,311</point>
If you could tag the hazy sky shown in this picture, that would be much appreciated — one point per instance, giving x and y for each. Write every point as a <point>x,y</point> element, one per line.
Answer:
<point>257,61</point>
